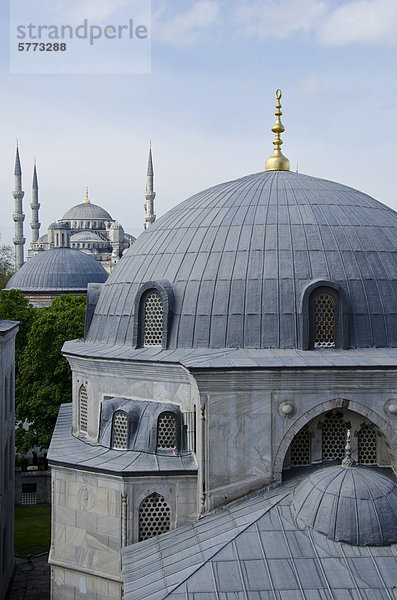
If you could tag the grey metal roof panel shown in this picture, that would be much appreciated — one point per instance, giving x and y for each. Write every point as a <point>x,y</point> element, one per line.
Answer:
<point>211,358</point>
<point>280,229</point>
<point>58,269</point>
<point>269,554</point>
<point>66,449</point>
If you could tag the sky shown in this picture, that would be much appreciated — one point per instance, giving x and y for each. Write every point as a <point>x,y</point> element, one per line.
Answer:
<point>206,102</point>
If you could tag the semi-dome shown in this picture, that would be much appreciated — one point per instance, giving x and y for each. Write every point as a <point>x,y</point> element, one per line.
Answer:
<point>85,236</point>
<point>241,259</point>
<point>356,505</point>
<point>86,211</point>
<point>58,269</point>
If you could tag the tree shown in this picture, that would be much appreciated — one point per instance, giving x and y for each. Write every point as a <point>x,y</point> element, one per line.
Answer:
<point>44,376</point>
<point>6,264</point>
<point>15,307</point>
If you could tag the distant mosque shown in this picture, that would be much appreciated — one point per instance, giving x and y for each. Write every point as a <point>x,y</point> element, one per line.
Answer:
<point>80,248</point>
<point>85,227</point>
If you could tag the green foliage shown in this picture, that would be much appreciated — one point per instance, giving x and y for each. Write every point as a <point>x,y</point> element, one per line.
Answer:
<point>15,307</point>
<point>44,376</point>
<point>6,264</point>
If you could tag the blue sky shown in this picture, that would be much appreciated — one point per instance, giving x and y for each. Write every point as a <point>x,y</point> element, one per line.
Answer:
<point>207,105</point>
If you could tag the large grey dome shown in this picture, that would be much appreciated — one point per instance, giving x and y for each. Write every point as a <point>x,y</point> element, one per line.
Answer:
<point>240,255</point>
<point>356,505</point>
<point>58,269</point>
<point>86,211</point>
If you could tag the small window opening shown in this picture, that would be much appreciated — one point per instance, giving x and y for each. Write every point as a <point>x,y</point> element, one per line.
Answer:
<point>154,516</point>
<point>83,409</point>
<point>120,430</point>
<point>324,321</point>
<point>153,320</point>
<point>167,432</point>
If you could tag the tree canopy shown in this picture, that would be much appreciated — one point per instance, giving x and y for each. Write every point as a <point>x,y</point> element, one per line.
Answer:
<point>43,375</point>
<point>6,264</point>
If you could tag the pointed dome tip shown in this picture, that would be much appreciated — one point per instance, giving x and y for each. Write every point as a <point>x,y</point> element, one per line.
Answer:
<point>277,161</point>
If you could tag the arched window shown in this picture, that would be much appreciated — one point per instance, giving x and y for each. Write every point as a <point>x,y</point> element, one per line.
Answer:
<point>120,430</point>
<point>83,409</point>
<point>323,317</point>
<point>333,436</point>
<point>301,448</point>
<point>367,445</point>
<point>154,516</point>
<point>167,431</point>
<point>153,306</point>
<point>153,319</point>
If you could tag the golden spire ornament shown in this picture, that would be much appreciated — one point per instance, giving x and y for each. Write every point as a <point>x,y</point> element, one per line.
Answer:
<point>277,161</point>
<point>86,199</point>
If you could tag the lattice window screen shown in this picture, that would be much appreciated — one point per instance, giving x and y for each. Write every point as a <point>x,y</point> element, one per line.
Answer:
<point>333,437</point>
<point>154,516</point>
<point>166,432</point>
<point>120,430</point>
<point>301,448</point>
<point>367,445</point>
<point>83,409</point>
<point>324,321</point>
<point>153,322</point>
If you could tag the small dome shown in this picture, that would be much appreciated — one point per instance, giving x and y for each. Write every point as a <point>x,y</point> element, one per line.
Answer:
<point>356,505</point>
<point>86,212</point>
<point>58,269</point>
<point>86,236</point>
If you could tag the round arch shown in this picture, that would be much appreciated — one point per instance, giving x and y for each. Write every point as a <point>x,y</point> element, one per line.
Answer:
<point>374,417</point>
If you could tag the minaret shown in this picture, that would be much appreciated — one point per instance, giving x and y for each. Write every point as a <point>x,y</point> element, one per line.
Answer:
<point>18,215</point>
<point>34,205</point>
<point>150,194</point>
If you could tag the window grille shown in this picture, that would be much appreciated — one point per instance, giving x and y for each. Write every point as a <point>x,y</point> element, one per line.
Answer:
<point>120,430</point>
<point>301,448</point>
<point>29,493</point>
<point>83,409</point>
<point>333,437</point>
<point>153,320</point>
<point>367,445</point>
<point>154,516</point>
<point>166,432</point>
<point>324,321</point>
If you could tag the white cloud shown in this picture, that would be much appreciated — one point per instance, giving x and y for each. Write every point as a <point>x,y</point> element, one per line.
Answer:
<point>186,28</point>
<point>328,22</point>
<point>280,18</point>
<point>361,21</point>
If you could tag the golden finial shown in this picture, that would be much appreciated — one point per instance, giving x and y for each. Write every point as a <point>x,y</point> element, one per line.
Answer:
<point>277,161</point>
<point>297,169</point>
<point>86,199</point>
<point>130,242</point>
<point>17,142</point>
<point>34,161</point>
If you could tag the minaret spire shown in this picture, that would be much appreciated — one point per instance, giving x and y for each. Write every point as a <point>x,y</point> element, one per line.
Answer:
<point>18,215</point>
<point>34,205</point>
<point>150,194</point>
<point>277,161</point>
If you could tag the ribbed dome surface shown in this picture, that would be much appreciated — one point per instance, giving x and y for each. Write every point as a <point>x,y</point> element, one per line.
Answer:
<point>356,505</point>
<point>86,212</point>
<point>240,254</point>
<point>58,269</point>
